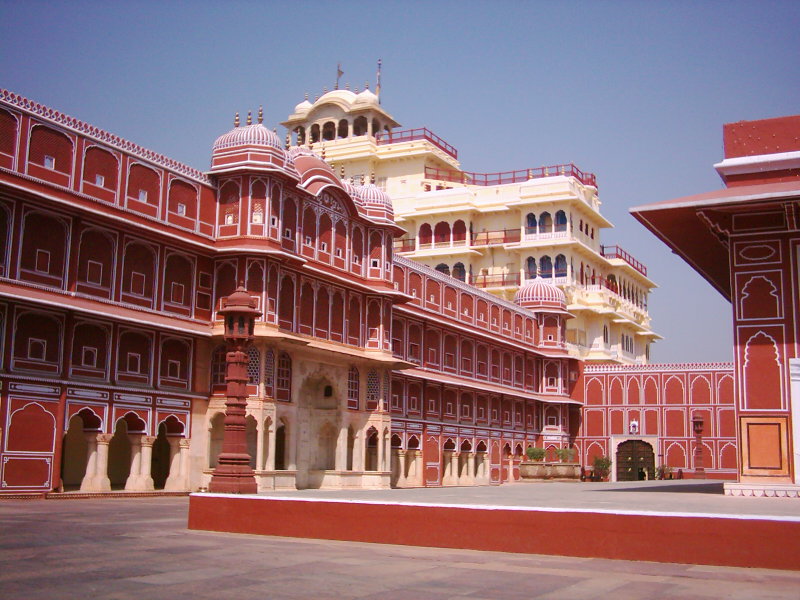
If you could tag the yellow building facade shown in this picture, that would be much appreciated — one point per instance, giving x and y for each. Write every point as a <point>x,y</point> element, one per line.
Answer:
<point>492,230</point>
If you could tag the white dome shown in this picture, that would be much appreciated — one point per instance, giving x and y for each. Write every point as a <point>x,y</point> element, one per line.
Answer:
<point>249,135</point>
<point>539,294</point>
<point>366,97</point>
<point>303,107</point>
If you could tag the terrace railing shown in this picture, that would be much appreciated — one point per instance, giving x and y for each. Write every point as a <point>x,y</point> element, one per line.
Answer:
<point>487,281</point>
<point>500,178</point>
<point>409,135</point>
<point>494,238</point>
<point>617,252</point>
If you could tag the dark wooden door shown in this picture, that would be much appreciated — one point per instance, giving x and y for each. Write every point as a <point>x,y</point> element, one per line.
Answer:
<point>635,461</point>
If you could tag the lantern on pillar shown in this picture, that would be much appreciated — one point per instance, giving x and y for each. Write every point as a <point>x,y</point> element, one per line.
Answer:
<point>697,428</point>
<point>233,474</point>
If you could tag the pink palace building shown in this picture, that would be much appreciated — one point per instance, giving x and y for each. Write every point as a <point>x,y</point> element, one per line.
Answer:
<point>368,370</point>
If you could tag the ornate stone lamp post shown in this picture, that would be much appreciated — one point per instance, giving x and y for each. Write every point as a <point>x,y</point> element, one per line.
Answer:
<point>233,474</point>
<point>697,428</point>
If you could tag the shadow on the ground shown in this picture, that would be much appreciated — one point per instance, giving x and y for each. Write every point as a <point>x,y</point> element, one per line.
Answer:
<point>694,488</point>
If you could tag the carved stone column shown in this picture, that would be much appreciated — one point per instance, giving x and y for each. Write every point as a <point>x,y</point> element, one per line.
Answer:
<point>134,475</point>
<point>184,470</point>
<point>145,472</point>
<point>175,481</point>
<point>697,428</point>
<point>401,463</point>
<point>270,466</point>
<point>101,482</point>
<point>88,481</point>
<point>471,467</point>
<point>341,450</point>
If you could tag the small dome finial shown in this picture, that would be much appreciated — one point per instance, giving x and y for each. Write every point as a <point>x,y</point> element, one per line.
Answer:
<point>341,171</point>
<point>236,120</point>
<point>260,114</point>
<point>249,117</point>
<point>323,151</point>
<point>325,90</point>
<point>288,140</point>
<point>366,86</point>
<point>372,177</point>
<point>347,86</point>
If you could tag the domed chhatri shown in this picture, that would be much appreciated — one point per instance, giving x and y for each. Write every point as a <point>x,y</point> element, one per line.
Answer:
<point>375,198</point>
<point>250,135</point>
<point>538,294</point>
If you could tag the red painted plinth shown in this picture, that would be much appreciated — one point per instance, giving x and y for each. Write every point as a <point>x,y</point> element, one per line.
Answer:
<point>233,479</point>
<point>708,540</point>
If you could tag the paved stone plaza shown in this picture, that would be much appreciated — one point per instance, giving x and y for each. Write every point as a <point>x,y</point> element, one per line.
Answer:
<point>120,548</point>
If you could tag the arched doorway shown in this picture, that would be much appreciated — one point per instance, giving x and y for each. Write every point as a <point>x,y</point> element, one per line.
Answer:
<point>76,449</point>
<point>635,461</point>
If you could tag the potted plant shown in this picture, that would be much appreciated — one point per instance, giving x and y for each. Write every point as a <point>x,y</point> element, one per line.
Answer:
<point>602,466</point>
<point>534,467</point>
<point>567,467</point>
<point>664,472</point>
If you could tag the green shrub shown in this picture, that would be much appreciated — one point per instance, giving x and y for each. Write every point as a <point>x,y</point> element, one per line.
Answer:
<point>602,465</point>
<point>565,454</point>
<point>535,454</point>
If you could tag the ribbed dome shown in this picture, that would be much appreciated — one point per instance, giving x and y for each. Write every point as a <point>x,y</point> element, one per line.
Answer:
<point>249,135</point>
<point>366,97</point>
<point>296,151</point>
<point>353,191</point>
<point>538,294</point>
<point>375,197</point>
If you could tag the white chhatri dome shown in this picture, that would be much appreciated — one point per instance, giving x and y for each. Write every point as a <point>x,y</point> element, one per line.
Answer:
<point>249,135</point>
<point>541,295</point>
<point>374,197</point>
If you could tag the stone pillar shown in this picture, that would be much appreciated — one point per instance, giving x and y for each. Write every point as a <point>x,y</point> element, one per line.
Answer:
<point>134,476</point>
<point>260,443</point>
<point>447,467</point>
<point>401,463</point>
<point>510,468</point>
<point>697,428</point>
<point>145,471</point>
<point>101,482</point>
<point>270,466</point>
<point>341,450</point>
<point>359,453</point>
<point>184,469</point>
<point>291,455</point>
<point>471,467</point>
<point>381,450</point>
<point>87,483</point>
<point>455,459</point>
<point>174,481</point>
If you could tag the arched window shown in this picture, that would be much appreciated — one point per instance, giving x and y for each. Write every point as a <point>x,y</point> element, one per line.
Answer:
<point>459,231</point>
<point>269,373</point>
<point>329,131</point>
<point>459,272</point>
<point>343,129</point>
<point>530,223</point>
<point>284,378</point>
<point>531,267</point>
<point>545,223</point>
<point>353,388</point>
<point>545,267</point>
<point>443,268</point>
<point>425,234</point>
<point>561,266</point>
<point>218,366</point>
<point>253,366</point>
<point>314,133</point>
<point>360,126</point>
<point>373,390</point>
<point>441,233</point>
<point>561,221</point>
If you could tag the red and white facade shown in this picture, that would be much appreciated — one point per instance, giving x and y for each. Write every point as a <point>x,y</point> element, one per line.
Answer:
<point>745,241</point>
<point>367,370</point>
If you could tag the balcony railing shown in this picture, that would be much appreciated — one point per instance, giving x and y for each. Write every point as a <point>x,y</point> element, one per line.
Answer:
<point>405,245</point>
<point>409,135</point>
<point>617,252</point>
<point>468,178</point>
<point>487,281</point>
<point>494,238</point>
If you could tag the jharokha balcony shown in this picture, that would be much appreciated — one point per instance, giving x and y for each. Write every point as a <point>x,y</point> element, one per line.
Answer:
<point>504,177</point>
<point>617,252</point>
<point>410,135</point>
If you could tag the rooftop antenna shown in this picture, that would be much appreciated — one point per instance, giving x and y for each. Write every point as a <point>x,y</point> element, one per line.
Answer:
<point>339,74</point>
<point>378,84</point>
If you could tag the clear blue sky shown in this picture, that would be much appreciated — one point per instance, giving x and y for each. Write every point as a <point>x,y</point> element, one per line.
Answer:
<point>635,92</point>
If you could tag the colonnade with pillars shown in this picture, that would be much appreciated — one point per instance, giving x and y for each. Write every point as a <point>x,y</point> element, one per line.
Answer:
<point>96,478</point>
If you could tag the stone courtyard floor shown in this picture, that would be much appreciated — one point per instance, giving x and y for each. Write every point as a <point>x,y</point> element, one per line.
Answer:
<point>121,548</point>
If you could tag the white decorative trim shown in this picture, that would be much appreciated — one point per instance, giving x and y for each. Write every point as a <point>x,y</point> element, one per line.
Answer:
<point>759,163</point>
